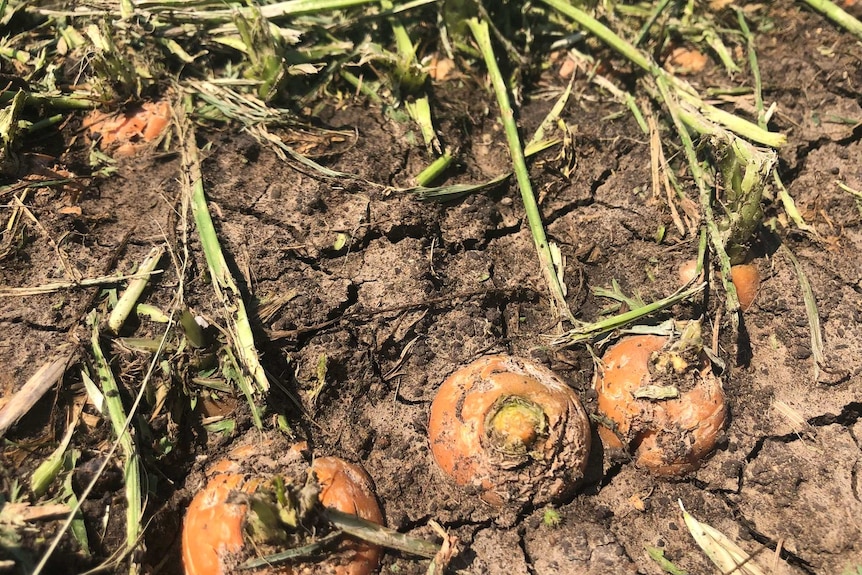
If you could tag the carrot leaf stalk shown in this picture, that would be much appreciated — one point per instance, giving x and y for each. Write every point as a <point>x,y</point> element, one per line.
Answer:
<point>745,171</point>
<point>482,35</point>
<point>226,290</point>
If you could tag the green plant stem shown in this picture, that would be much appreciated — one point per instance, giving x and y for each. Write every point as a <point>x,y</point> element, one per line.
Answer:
<point>755,68</point>
<point>837,15</point>
<point>705,201</point>
<point>107,457</point>
<point>786,199</point>
<point>380,535</point>
<point>434,169</point>
<point>223,283</point>
<point>650,21</point>
<point>681,89</point>
<point>59,102</point>
<point>120,421</point>
<point>587,332</point>
<point>134,290</point>
<point>482,35</point>
<point>602,32</point>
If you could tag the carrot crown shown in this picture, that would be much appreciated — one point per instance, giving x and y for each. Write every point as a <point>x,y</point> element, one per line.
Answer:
<point>514,425</point>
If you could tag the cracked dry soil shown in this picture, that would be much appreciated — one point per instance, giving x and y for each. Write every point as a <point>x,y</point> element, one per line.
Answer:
<point>420,288</point>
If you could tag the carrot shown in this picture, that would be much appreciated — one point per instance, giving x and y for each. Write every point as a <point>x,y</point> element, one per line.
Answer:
<point>668,435</point>
<point>127,133</point>
<point>745,278</point>
<point>511,429</point>
<point>222,528</point>
<point>347,487</point>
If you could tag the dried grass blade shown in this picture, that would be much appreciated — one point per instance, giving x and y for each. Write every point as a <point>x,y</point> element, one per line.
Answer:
<point>38,384</point>
<point>86,282</point>
<point>726,554</point>
<point>810,310</point>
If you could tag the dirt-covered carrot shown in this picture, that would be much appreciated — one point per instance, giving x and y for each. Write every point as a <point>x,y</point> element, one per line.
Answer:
<point>239,514</point>
<point>745,278</point>
<point>125,134</point>
<point>347,487</point>
<point>510,428</point>
<point>661,401</point>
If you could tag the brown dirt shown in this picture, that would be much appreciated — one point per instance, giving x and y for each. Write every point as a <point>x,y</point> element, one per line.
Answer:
<point>421,288</point>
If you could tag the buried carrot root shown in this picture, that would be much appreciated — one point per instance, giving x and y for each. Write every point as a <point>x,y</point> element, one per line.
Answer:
<point>511,429</point>
<point>128,133</point>
<point>661,402</point>
<point>745,278</point>
<point>239,515</point>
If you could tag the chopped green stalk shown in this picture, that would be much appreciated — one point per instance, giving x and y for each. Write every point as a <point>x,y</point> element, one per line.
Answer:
<point>657,555</point>
<point>410,78</point>
<point>755,68</point>
<point>63,102</point>
<point>786,199</point>
<point>745,170</point>
<point>233,372</point>
<point>48,470</point>
<point>443,193</point>
<point>367,89</point>
<point>659,8</point>
<point>10,131</point>
<point>133,291</point>
<point>713,232</point>
<point>122,442</point>
<point>297,7</point>
<point>853,192</point>
<point>733,123</point>
<point>77,527</point>
<point>718,46</point>
<point>379,535</point>
<point>590,331</point>
<point>120,421</point>
<point>602,32</point>
<point>616,293</point>
<point>420,110</point>
<point>681,89</point>
<point>151,312</point>
<point>434,169</point>
<point>625,98</point>
<point>264,50</point>
<point>534,219</point>
<point>552,118</point>
<point>310,550</point>
<point>837,15</point>
<point>239,327</point>
<point>193,331</point>
<point>14,54</point>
